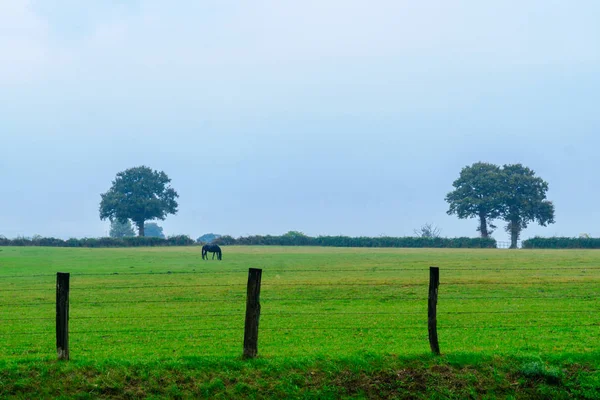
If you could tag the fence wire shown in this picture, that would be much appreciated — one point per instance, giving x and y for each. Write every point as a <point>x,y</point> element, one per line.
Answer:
<point>240,313</point>
<point>288,317</point>
<point>301,285</point>
<point>304,299</point>
<point>295,270</point>
<point>312,328</point>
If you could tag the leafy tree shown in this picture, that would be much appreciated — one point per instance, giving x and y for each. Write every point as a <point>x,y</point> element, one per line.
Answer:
<point>477,195</point>
<point>152,229</point>
<point>225,240</point>
<point>120,229</point>
<point>294,234</point>
<point>523,200</point>
<point>139,194</point>
<point>208,238</point>
<point>428,231</point>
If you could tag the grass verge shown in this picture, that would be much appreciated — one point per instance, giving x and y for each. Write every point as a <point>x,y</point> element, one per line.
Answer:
<point>457,376</point>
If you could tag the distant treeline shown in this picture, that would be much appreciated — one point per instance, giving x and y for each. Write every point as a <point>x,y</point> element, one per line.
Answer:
<point>561,243</point>
<point>291,239</point>
<point>299,239</point>
<point>181,240</point>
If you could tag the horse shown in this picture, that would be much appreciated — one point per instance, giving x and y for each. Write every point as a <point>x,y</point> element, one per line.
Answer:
<point>213,248</point>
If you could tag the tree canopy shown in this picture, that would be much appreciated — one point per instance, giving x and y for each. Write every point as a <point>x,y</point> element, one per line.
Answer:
<point>476,195</point>
<point>208,238</point>
<point>152,229</point>
<point>523,200</point>
<point>139,194</point>
<point>511,192</point>
<point>120,229</point>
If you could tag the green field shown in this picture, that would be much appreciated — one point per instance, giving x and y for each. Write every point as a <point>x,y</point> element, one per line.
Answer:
<point>166,305</point>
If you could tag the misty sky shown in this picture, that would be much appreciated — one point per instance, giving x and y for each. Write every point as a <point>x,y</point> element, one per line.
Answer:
<point>327,117</point>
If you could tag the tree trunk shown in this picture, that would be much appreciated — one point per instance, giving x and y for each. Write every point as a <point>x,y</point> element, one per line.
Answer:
<point>515,232</point>
<point>140,226</point>
<point>483,226</point>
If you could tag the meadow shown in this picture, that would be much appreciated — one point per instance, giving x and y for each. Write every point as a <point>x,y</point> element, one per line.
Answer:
<point>166,305</point>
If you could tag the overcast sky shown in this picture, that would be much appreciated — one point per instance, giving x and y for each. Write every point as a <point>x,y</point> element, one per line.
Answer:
<point>324,116</point>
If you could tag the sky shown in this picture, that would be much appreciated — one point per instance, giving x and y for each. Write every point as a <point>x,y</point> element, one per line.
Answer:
<point>327,117</point>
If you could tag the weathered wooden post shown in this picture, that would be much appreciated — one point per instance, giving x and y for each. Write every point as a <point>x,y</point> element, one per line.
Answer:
<point>434,283</point>
<point>252,313</point>
<point>62,315</point>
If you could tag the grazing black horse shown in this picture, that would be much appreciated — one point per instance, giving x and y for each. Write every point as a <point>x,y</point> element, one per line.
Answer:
<point>213,248</point>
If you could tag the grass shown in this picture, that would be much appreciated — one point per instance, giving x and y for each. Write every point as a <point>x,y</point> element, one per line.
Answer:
<point>365,376</point>
<point>334,323</point>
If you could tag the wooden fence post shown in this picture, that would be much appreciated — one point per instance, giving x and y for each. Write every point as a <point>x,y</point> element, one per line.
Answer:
<point>434,282</point>
<point>252,313</point>
<point>62,315</point>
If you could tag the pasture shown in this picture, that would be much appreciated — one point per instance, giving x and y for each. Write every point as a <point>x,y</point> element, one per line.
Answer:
<point>166,302</point>
<point>149,305</point>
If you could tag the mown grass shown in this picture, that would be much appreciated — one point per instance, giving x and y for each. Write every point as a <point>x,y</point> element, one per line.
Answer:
<point>334,322</point>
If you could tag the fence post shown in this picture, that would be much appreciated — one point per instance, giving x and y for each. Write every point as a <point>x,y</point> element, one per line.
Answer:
<point>252,313</point>
<point>434,282</point>
<point>62,315</point>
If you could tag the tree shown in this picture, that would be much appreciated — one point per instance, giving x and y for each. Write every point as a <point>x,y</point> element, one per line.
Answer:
<point>208,238</point>
<point>294,234</point>
<point>523,200</point>
<point>152,229</point>
<point>477,195</point>
<point>428,231</point>
<point>120,229</point>
<point>139,194</point>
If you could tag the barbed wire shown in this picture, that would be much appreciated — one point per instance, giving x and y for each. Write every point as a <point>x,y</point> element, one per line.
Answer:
<point>375,269</point>
<point>299,284</point>
<point>586,297</point>
<point>28,304</point>
<point>190,330</point>
<point>49,332</point>
<point>305,328</point>
<point>440,298</point>
<point>127,302</point>
<point>299,314</point>
<point>219,272</point>
<point>242,299</point>
<point>541,312</point>
<point>307,284</point>
<point>422,326</point>
<point>548,282</point>
<point>518,326</point>
<point>425,284</point>
<point>27,289</point>
<point>158,286</point>
<point>500,269</point>
<point>28,276</point>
